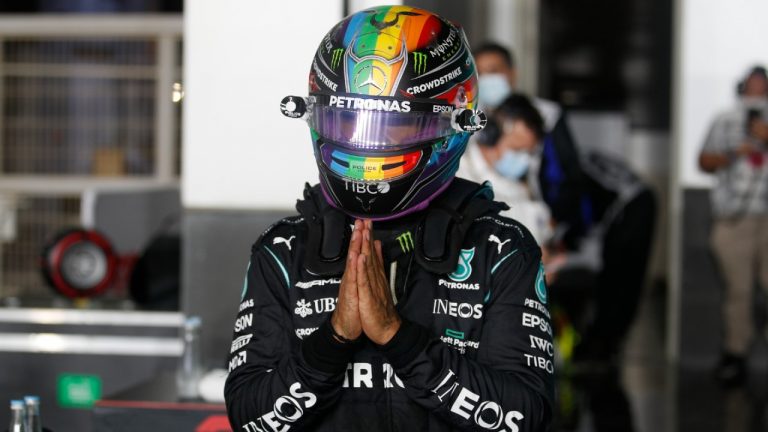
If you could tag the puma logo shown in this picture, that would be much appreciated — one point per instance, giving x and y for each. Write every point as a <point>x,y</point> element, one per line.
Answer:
<point>498,241</point>
<point>283,240</point>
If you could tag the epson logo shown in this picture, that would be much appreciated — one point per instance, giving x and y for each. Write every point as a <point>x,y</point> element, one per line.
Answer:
<point>244,322</point>
<point>534,321</point>
<point>317,282</point>
<point>287,410</point>
<point>459,310</point>
<point>486,414</point>
<point>240,342</point>
<point>441,108</point>
<point>370,104</point>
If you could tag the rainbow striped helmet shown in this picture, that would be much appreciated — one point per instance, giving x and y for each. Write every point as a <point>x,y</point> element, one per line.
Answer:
<point>392,92</point>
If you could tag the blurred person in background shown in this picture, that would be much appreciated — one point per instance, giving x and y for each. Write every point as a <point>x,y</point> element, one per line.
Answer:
<point>398,299</point>
<point>735,151</point>
<point>603,214</point>
<point>514,127</point>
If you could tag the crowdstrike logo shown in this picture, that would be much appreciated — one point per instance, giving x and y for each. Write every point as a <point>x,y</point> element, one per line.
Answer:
<point>437,82</point>
<point>301,333</point>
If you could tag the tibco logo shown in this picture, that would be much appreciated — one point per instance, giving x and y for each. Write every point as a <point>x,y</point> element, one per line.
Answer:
<point>459,310</point>
<point>287,410</point>
<point>369,188</point>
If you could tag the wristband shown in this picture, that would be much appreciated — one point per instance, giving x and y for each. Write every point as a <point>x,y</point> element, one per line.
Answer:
<point>339,338</point>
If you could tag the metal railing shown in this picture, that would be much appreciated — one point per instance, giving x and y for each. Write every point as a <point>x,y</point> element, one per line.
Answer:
<point>86,101</point>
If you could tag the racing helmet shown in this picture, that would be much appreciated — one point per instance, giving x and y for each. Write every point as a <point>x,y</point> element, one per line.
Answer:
<point>391,106</point>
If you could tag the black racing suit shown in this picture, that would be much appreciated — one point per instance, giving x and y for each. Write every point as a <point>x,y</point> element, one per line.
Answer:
<point>474,351</point>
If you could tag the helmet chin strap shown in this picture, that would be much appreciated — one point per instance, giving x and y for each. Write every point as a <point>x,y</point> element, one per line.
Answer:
<point>439,235</point>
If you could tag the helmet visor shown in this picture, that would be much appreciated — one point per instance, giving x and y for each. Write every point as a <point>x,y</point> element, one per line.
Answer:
<point>383,124</point>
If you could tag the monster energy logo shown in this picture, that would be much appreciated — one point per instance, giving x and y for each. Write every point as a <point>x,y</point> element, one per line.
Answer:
<point>406,241</point>
<point>336,59</point>
<point>419,62</point>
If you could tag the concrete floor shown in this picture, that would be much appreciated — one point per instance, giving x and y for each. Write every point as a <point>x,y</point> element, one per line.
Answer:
<point>648,395</point>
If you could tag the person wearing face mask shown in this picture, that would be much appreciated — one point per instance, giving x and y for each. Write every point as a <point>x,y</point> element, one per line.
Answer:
<point>502,154</point>
<point>735,151</point>
<point>602,213</point>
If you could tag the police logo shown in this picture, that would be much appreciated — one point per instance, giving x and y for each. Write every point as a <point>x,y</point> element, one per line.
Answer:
<point>464,269</point>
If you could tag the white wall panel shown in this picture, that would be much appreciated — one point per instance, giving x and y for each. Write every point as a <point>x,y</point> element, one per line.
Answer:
<point>241,58</point>
<point>720,40</point>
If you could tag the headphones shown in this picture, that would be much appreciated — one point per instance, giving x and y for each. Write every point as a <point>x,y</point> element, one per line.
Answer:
<point>755,70</point>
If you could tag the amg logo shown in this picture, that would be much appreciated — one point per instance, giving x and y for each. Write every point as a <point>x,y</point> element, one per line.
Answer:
<point>370,104</point>
<point>318,282</point>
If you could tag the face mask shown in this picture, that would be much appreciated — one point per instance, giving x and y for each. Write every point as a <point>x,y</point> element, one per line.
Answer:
<point>494,88</point>
<point>754,101</point>
<point>513,164</point>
